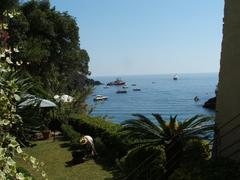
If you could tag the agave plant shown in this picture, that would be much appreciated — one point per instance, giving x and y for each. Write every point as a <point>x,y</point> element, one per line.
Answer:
<point>172,134</point>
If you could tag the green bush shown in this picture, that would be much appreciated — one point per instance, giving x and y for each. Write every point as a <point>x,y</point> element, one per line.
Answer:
<point>107,131</point>
<point>100,146</point>
<point>196,150</point>
<point>71,134</point>
<point>25,172</point>
<point>219,169</point>
<point>143,163</point>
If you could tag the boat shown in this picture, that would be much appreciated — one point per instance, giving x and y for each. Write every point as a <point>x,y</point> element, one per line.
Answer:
<point>175,77</point>
<point>100,98</point>
<point>134,85</point>
<point>124,87</point>
<point>196,99</point>
<point>106,87</point>
<point>137,89</point>
<point>117,82</point>
<point>121,92</point>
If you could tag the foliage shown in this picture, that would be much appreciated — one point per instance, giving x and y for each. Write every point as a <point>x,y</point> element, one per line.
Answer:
<point>7,5</point>
<point>10,122</point>
<point>220,169</point>
<point>70,133</point>
<point>50,50</point>
<point>25,172</point>
<point>100,146</point>
<point>10,92</point>
<point>143,163</point>
<point>173,135</point>
<point>107,131</point>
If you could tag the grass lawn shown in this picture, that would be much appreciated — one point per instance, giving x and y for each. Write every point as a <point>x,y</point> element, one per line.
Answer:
<point>54,155</point>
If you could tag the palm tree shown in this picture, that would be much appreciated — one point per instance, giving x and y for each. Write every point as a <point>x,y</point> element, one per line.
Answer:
<point>172,134</point>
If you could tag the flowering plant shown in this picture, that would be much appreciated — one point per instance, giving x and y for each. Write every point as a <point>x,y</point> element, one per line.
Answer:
<point>9,119</point>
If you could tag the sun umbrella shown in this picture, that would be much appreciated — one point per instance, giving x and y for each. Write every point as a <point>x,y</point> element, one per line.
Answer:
<point>46,103</point>
<point>42,103</point>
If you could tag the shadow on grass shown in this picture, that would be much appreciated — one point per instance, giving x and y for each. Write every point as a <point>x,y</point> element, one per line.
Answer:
<point>110,167</point>
<point>67,144</point>
<point>99,159</point>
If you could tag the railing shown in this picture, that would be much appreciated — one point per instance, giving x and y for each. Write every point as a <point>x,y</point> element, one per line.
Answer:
<point>227,133</point>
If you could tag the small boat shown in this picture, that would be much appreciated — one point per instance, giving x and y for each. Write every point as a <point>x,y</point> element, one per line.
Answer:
<point>118,82</point>
<point>134,85</point>
<point>100,98</point>
<point>121,92</point>
<point>106,87</point>
<point>137,89</point>
<point>124,87</point>
<point>175,77</point>
<point>196,99</point>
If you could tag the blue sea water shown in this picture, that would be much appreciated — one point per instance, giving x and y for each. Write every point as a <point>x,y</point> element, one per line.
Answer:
<point>159,94</point>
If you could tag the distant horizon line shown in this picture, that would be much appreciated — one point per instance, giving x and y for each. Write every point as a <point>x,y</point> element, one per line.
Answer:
<point>151,74</point>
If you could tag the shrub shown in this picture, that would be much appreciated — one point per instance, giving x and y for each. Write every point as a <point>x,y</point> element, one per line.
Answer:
<point>220,169</point>
<point>196,150</point>
<point>107,131</point>
<point>100,146</point>
<point>143,163</point>
<point>25,172</point>
<point>71,134</point>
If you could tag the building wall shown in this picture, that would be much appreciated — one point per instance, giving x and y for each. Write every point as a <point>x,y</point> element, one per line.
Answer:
<point>228,98</point>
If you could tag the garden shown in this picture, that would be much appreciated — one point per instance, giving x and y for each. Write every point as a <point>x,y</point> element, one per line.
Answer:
<point>43,87</point>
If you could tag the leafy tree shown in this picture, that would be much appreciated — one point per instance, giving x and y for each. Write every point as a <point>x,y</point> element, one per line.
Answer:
<point>7,5</point>
<point>173,135</point>
<point>50,48</point>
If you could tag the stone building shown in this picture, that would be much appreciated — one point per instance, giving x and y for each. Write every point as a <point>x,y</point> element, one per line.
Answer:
<point>228,98</point>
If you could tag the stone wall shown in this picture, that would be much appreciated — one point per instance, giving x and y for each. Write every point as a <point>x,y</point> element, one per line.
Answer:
<point>228,99</point>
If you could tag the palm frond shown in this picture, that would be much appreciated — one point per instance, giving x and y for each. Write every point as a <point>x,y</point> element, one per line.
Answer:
<point>141,127</point>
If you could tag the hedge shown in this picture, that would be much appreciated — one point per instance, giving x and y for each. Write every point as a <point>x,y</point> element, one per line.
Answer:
<point>107,131</point>
<point>71,134</point>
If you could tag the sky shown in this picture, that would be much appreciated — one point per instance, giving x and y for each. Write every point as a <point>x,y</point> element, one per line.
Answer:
<point>131,37</point>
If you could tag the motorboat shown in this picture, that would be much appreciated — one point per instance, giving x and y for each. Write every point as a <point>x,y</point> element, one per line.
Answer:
<point>106,87</point>
<point>100,98</point>
<point>134,85</point>
<point>196,99</point>
<point>124,87</point>
<point>121,92</point>
<point>175,77</point>
<point>137,89</point>
<point>117,82</point>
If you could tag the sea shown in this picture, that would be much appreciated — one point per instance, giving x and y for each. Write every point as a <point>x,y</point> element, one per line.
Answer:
<point>159,94</point>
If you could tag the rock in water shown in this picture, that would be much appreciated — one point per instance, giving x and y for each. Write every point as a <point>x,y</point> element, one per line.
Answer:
<point>211,103</point>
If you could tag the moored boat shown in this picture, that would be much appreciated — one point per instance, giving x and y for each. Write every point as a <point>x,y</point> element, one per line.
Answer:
<point>118,82</point>
<point>121,92</point>
<point>137,89</point>
<point>100,98</point>
<point>175,77</point>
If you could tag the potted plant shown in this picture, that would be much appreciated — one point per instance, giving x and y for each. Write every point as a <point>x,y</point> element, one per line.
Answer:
<point>46,132</point>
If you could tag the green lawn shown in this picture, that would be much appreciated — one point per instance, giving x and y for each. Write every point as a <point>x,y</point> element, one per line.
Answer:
<point>54,155</point>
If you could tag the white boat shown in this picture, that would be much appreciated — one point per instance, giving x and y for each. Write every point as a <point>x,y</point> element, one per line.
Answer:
<point>100,98</point>
<point>175,77</point>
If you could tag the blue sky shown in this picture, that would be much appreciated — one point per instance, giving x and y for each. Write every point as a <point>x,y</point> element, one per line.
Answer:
<point>128,37</point>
